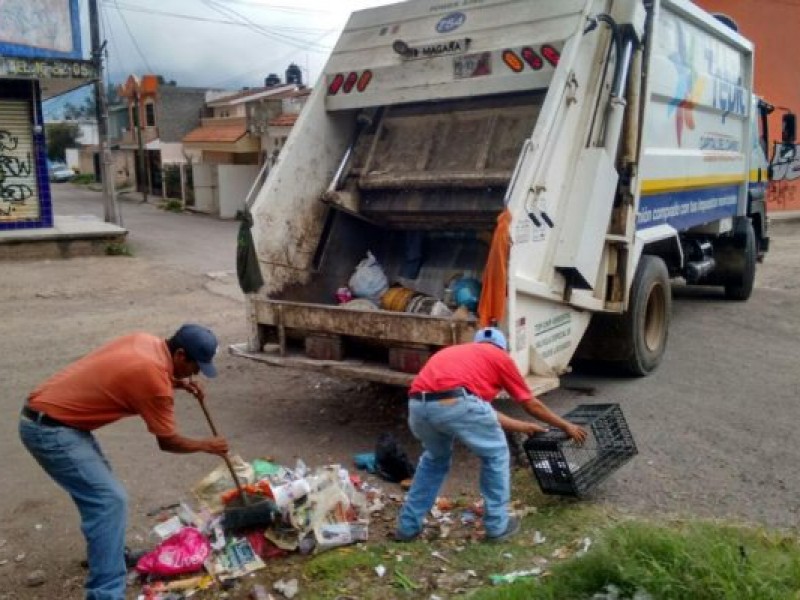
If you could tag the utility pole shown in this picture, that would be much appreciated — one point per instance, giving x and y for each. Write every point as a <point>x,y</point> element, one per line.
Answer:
<point>111,208</point>
<point>143,170</point>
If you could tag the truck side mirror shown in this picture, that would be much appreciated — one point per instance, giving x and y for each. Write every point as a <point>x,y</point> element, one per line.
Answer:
<point>789,128</point>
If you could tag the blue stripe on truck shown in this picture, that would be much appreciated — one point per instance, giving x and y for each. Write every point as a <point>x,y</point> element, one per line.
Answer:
<point>687,208</point>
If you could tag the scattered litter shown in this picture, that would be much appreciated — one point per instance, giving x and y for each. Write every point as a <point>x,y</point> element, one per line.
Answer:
<point>168,528</point>
<point>3,562</point>
<point>440,556</point>
<point>500,579</point>
<point>259,592</point>
<point>471,573</point>
<point>35,578</point>
<point>468,517</point>
<point>612,592</point>
<point>184,552</point>
<point>586,543</point>
<point>19,557</point>
<point>508,555</point>
<point>380,570</point>
<point>577,547</point>
<point>538,538</point>
<point>288,588</point>
<point>38,527</point>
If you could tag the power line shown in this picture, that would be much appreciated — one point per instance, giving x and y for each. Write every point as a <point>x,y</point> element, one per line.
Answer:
<point>282,59</point>
<point>302,44</point>
<point>133,39</point>
<point>152,11</point>
<point>279,8</point>
<point>106,20</point>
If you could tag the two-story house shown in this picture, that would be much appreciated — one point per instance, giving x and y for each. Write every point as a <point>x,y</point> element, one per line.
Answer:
<point>243,131</point>
<point>160,114</point>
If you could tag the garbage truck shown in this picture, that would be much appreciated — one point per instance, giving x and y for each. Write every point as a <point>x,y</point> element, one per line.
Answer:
<point>560,160</point>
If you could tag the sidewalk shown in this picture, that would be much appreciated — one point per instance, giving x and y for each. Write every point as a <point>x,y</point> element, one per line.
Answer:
<point>784,215</point>
<point>70,236</point>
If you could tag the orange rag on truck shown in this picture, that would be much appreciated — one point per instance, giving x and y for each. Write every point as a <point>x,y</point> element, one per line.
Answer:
<point>492,306</point>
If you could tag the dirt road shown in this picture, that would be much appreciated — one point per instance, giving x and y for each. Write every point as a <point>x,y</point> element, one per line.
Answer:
<point>714,424</point>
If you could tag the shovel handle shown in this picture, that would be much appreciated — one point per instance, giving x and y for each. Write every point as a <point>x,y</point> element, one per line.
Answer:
<point>226,458</point>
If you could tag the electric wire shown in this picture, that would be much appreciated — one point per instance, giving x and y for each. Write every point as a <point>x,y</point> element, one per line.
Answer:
<point>302,44</point>
<point>164,13</point>
<point>133,39</point>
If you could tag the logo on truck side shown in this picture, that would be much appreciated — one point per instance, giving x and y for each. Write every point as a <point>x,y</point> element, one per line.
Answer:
<point>451,22</point>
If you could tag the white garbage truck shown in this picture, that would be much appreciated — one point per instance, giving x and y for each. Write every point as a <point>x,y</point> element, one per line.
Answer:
<point>587,150</point>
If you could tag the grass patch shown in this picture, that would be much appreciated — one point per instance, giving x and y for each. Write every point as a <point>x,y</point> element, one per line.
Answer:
<point>697,560</point>
<point>172,205</point>
<point>118,249</point>
<point>83,179</point>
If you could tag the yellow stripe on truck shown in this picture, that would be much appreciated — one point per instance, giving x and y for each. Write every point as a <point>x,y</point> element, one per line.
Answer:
<point>656,186</point>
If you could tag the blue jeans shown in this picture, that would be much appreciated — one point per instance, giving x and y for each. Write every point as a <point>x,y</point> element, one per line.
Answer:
<point>74,460</point>
<point>474,423</point>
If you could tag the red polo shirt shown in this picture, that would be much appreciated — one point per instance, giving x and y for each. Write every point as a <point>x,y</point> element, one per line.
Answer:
<point>482,368</point>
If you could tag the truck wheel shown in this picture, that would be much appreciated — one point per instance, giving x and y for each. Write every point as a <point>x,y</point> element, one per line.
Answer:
<point>740,286</point>
<point>646,322</point>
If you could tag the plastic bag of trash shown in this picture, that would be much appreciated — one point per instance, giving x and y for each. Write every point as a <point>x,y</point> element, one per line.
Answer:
<point>184,552</point>
<point>369,280</point>
<point>391,461</point>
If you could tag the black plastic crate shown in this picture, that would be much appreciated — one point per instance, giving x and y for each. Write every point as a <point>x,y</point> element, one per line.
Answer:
<point>565,468</point>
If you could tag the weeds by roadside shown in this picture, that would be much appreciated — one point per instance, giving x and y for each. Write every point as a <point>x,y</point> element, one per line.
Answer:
<point>118,249</point>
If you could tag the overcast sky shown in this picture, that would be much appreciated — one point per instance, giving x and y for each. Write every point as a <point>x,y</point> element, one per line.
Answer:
<point>216,43</point>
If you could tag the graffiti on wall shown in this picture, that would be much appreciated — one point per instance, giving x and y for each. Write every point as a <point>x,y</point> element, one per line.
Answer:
<point>43,24</point>
<point>13,166</point>
<point>784,187</point>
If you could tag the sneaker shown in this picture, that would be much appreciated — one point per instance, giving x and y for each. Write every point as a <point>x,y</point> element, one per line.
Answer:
<point>512,529</point>
<point>399,536</point>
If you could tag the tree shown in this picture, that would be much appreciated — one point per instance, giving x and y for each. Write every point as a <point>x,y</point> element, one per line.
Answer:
<point>60,136</point>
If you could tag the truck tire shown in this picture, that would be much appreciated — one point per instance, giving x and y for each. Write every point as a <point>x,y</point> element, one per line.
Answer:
<point>739,286</point>
<point>645,324</point>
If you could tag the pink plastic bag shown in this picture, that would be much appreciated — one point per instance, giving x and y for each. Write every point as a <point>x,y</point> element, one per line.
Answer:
<point>184,552</point>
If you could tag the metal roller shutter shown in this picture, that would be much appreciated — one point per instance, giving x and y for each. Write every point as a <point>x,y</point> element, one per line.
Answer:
<point>19,192</point>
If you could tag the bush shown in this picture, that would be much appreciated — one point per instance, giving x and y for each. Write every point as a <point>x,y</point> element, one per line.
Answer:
<point>84,179</point>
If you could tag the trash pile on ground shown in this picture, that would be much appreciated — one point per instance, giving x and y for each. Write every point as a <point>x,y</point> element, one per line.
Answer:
<point>225,537</point>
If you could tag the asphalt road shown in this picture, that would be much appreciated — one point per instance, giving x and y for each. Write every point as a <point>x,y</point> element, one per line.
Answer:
<point>714,424</point>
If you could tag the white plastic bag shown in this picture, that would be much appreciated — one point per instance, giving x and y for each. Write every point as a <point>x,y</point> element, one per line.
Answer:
<point>369,280</point>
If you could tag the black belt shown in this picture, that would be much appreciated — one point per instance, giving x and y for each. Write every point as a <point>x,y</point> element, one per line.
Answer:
<point>42,419</point>
<point>440,395</point>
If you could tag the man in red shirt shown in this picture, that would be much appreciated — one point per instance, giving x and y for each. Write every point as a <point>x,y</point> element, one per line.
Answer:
<point>451,399</point>
<point>132,375</point>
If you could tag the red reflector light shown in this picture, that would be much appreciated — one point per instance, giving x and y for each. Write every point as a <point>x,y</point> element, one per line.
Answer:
<point>337,82</point>
<point>350,82</point>
<point>550,54</point>
<point>513,61</point>
<point>534,60</point>
<point>364,80</point>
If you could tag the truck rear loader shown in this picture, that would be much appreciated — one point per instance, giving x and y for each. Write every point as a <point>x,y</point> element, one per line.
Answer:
<point>574,155</point>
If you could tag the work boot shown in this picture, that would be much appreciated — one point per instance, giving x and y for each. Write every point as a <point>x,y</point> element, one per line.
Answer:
<point>512,529</point>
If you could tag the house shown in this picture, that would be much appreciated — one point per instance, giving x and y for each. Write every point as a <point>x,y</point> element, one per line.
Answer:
<point>243,132</point>
<point>160,115</point>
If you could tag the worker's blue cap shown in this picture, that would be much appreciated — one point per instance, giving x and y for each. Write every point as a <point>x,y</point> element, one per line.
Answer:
<point>492,335</point>
<point>200,345</point>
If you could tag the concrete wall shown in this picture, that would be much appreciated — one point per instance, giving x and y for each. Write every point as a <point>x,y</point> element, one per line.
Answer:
<point>178,111</point>
<point>234,183</point>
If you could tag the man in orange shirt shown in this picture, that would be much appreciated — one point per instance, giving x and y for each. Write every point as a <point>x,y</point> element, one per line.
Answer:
<point>132,375</point>
<point>451,399</point>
